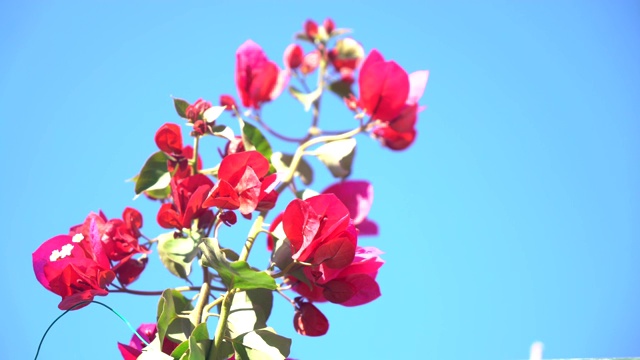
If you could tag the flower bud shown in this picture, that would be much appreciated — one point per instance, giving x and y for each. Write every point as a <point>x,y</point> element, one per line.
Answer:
<point>308,320</point>
<point>311,29</point>
<point>329,25</point>
<point>228,101</point>
<point>293,56</point>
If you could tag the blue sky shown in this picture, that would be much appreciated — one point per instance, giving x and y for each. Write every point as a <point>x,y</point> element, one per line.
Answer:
<point>513,218</point>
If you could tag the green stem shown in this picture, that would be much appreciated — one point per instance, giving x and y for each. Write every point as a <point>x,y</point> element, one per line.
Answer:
<point>202,301</point>
<point>194,159</point>
<point>297,156</point>
<point>256,228</point>
<point>221,327</point>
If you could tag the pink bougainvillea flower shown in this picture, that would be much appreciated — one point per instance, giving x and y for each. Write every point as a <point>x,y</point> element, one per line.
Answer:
<point>148,333</point>
<point>384,87</point>
<point>400,132</point>
<point>357,196</point>
<point>257,78</point>
<point>352,285</point>
<point>244,184</point>
<point>188,195</point>
<point>320,231</point>
<point>293,56</point>
<point>74,267</point>
<point>308,320</point>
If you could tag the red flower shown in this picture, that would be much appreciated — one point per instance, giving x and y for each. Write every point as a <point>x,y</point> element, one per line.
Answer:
<point>357,196</point>
<point>74,267</point>
<point>400,131</point>
<point>129,270</point>
<point>308,320</point>
<point>195,110</point>
<point>169,139</point>
<point>293,56</point>
<point>384,87</point>
<point>258,79</point>
<point>148,333</point>
<point>119,237</point>
<point>320,231</point>
<point>188,195</point>
<point>243,184</point>
<point>352,285</point>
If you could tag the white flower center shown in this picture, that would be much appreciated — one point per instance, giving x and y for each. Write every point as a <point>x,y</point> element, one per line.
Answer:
<point>77,238</point>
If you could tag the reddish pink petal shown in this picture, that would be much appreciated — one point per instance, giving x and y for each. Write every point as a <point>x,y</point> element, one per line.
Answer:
<point>300,224</point>
<point>339,291</point>
<point>128,353</point>
<point>383,90</point>
<point>167,217</point>
<point>232,166</point>
<point>248,189</point>
<point>367,228</point>
<point>308,320</point>
<point>130,270</point>
<point>367,290</point>
<point>356,195</point>
<point>223,196</point>
<point>336,253</point>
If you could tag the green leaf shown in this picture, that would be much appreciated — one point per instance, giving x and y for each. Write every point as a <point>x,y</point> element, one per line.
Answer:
<point>249,311</point>
<point>282,162</point>
<point>337,156</point>
<point>307,99</point>
<point>172,303</point>
<point>235,274</point>
<point>181,107</point>
<point>253,139</point>
<point>181,350</point>
<point>341,88</point>
<point>154,174</point>
<point>281,256</point>
<point>199,343</point>
<point>177,254</point>
<point>262,344</point>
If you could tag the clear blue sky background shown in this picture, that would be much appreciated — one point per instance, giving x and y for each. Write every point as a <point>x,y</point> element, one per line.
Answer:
<point>513,218</point>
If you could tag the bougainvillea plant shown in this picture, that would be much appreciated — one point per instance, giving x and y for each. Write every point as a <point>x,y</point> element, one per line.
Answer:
<point>314,239</point>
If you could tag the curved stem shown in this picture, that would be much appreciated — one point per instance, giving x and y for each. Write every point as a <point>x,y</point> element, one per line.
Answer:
<point>253,233</point>
<point>222,325</point>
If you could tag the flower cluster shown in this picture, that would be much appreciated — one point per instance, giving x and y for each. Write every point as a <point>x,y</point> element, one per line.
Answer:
<point>314,239</point>
<point>80,265</point>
